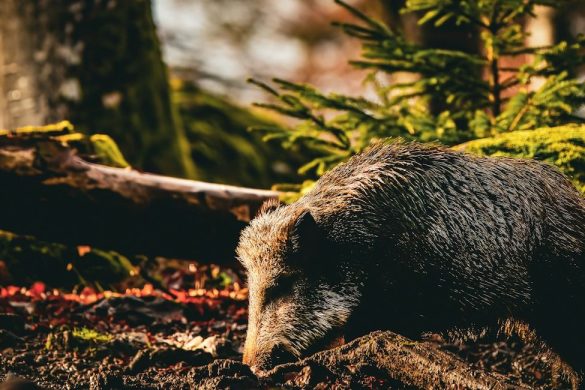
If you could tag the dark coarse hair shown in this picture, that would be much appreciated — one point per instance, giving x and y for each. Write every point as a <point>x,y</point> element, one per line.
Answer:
<point>459,240</point>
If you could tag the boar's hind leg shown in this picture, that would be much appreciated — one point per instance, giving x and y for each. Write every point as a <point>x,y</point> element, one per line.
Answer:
<point>560,298</point>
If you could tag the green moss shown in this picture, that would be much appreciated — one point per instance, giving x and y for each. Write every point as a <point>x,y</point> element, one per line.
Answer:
<point>78,339</point>
<point>107,151</point>
<point>223,149</point>
<point>563,146</point>
<point>27,260</point>
<point>99,148</point>
<point>91,336</point>
<point>60,128</point>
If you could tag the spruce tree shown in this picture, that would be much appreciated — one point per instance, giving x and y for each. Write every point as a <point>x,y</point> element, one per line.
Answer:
<point>481,95</point>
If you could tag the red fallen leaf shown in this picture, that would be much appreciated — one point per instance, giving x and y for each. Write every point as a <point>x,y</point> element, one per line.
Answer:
<point>37,290</point>
<point>538,375</point>
<point>82,250</point>
<point>4,273</point>
<point>87,291</point>
<point>52,307</point>
<point>10,291</point>
<point>241,313</point>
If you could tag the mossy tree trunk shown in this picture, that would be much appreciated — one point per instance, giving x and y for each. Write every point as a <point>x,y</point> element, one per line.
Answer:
<point>97,63</point>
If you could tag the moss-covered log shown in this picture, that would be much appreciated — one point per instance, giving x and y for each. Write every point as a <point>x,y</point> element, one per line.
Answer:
<point>49,191</point>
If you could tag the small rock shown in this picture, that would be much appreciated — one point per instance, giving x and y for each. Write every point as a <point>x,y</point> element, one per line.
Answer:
<point>9,339</point>
<point>224,374</point>
<point>23,359</point>
<point>41,359</point>
<point>219,326</point>
<point>15,383</point>
<point>210,345</point>
<point>167,357</point>
<point>12,323</point>
<point>105,381</point>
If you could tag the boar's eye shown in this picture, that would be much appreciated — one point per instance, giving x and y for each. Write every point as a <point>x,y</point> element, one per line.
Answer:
<point>282,286</point>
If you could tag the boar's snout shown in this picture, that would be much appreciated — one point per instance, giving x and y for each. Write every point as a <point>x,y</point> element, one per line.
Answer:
<point>278,354</point>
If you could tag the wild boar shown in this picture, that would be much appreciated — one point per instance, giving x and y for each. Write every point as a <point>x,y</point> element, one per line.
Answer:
<point>415,239</point>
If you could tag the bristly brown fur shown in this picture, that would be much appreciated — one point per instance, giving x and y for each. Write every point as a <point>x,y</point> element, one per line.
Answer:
<point>416,239</point>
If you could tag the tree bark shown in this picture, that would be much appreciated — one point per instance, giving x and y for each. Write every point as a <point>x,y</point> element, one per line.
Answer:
<point>50,192</point>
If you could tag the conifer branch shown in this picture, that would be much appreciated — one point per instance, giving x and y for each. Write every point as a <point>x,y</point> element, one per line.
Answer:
<point>336,126</point>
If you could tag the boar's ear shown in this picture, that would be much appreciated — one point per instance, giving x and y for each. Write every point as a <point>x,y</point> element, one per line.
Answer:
<point>269,206</point>
<point>305,233</point>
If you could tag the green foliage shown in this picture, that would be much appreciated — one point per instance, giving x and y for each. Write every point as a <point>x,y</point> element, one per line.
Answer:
<point>479,95</point>
<point>223,149</point>
<point>98,148</point>
<point>24,260</point>
<point>563,146</point>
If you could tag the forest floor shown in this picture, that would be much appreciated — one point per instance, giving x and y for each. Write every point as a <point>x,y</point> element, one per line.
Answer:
<point>179,339</point>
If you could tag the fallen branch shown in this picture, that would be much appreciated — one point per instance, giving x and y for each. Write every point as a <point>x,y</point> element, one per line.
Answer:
<point>48,190</point>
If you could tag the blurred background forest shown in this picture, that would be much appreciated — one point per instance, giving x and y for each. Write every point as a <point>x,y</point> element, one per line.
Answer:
<point>167,79</point>
<point>99,65</point>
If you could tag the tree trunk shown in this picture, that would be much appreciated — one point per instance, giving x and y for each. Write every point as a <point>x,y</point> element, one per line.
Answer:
<point>569,22</point>
<point>50,192</point>
<point>98,64</point>
<point>21,103</point>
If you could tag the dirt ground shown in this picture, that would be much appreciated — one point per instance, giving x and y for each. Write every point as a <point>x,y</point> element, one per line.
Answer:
<point>185,339</point>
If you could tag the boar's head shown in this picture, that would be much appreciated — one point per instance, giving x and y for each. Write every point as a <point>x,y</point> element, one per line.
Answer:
<point>301,292</point>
